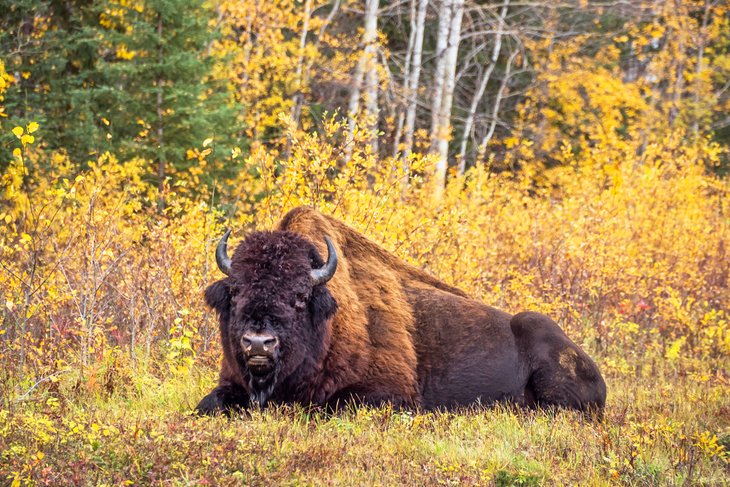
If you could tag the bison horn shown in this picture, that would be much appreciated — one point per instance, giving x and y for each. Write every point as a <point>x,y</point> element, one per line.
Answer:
<point>221,254</point>
<point>325,273</point>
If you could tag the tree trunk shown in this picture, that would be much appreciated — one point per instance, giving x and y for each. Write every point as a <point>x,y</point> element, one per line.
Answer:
<point>367,69</point>
<point>442,132</point>
<point>437,90</point>
<point>371,69</point>
<point>296,111</point>
<point>469,122</point>
<point>700,66</point>
<point>160,127</point>
<point>413,80</point>
<point>498,102</point>
<point>406,79</point>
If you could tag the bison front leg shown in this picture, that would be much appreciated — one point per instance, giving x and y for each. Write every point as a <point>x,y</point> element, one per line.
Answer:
<point>224,399</point>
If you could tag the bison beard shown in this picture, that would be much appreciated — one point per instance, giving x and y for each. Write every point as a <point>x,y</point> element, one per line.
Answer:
<point>261,386</point>
<point>261,391</point>
<point>375,331</point>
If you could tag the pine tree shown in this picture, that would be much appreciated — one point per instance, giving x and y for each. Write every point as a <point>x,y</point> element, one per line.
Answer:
<point>48,51</point>
<point>158,96</point>
<point>133,78</point>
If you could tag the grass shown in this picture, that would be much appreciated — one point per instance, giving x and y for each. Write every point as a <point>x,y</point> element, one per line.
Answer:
<point>666,429</point>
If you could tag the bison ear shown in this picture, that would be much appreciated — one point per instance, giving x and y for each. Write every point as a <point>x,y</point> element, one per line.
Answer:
<point>322,306</point>
<point>218,296</point>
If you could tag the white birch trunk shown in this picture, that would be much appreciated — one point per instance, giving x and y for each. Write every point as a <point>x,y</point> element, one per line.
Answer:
<point>444,115</point>
<point>367,69</point>
<point>414,78</point>
<point>442,41</point>
<point>406,79</point>
<point>371,69</point>
<point>296,110</point>
<point>469,122</point>
<point>497,103</point>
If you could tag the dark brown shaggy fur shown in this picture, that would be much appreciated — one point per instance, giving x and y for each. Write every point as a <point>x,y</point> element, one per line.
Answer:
<point>383,331</point>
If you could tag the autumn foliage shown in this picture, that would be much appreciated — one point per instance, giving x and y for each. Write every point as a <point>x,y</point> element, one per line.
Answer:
<point>606,206</point>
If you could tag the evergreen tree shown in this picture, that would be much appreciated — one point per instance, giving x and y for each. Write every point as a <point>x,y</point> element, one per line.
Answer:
<point>130,77</point>
<point>51,52</point>
<point>158,95</point>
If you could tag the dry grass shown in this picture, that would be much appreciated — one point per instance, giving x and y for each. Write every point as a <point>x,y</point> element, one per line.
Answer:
<point>659,429</point>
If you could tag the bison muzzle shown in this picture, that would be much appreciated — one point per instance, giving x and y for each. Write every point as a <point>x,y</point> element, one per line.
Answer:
<point>364,327</point>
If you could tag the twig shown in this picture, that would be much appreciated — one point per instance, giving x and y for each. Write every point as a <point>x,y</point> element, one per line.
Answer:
<point>44,379</point>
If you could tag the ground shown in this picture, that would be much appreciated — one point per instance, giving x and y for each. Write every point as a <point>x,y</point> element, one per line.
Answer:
<point>659,429</point>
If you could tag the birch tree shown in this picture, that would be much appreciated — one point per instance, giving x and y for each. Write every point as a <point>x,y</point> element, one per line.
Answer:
<point>366,69</point>
<point>296,110</point>
<point>479,93</point>
<point>441,132</point>
<point>414,79</point>
<point>442,39</point>
<point>497,103</point>
<point>299,75</point>
<point>406,79</point>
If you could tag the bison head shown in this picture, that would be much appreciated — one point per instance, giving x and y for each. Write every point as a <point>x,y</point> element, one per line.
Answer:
<point>274,307</point>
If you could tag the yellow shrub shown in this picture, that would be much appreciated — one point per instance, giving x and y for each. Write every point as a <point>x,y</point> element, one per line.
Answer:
<point>628,254</point>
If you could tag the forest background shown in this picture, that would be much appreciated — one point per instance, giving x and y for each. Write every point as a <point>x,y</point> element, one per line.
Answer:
<point>569,157</point>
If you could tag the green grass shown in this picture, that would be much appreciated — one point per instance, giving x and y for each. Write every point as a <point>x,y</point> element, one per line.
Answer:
<point>141,431</point>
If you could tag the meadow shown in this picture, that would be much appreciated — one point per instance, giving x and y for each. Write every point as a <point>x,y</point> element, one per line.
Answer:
<point>657,431</point>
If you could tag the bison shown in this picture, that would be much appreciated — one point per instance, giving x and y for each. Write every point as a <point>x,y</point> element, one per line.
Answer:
<point>364,327</point>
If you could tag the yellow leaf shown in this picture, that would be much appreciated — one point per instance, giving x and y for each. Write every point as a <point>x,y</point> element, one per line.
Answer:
<point>207,141</point>
<point>18,131</point>
<point>124,53</point>
<point>32,127</point>
<point>672,352</point>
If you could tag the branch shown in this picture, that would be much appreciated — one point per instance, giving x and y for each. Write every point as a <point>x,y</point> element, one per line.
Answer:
<point>44,379</point>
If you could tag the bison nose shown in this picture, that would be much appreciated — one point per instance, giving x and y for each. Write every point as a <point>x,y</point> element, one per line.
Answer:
<point>259,343</point>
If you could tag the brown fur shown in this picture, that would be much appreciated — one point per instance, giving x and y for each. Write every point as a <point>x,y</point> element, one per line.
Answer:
<point>403,337</point>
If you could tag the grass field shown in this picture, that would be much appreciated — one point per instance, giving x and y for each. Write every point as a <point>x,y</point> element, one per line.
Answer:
<point>660,428</point>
